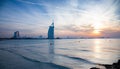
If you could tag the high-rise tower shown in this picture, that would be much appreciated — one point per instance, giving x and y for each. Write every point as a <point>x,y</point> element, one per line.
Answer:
<point>51,31</point>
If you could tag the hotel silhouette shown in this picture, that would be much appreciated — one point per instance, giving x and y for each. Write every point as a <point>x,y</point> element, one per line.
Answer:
<point>51,31</point>
<point>16,34</point>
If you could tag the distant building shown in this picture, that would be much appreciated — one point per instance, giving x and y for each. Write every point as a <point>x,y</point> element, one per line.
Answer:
<point>51,31</point>
<point>40,36</point>
<point>16,34</point>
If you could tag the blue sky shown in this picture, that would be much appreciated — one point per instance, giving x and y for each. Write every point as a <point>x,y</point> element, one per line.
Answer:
<point>74,18</point>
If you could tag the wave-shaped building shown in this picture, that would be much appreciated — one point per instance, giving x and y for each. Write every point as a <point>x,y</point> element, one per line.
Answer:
<point>51,31</point>
<point>16,34</point>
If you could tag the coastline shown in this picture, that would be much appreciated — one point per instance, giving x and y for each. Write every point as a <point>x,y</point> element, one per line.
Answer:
<point>108,66</point>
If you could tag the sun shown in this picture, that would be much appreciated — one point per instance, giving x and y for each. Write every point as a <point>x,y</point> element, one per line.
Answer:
<point>97,29</point>
<point>96,32</point>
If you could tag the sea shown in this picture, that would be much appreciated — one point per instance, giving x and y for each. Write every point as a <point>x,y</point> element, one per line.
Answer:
<point>58,53</point>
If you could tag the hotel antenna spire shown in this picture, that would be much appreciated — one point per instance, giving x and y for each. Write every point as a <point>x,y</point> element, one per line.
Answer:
<point>52,23</point>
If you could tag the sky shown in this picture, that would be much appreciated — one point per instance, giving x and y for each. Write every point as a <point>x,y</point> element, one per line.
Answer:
<point>72,18</point>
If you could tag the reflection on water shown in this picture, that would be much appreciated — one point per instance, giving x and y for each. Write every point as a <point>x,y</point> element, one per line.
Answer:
<point>105,51</point>
<point>51,50</point>
<point>71,53</point>
<point>97,48</point>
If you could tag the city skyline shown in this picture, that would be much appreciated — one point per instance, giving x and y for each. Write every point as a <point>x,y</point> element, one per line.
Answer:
<point>73,18</point>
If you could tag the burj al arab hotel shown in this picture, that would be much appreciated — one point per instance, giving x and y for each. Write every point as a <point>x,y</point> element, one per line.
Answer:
<point>51,31</point>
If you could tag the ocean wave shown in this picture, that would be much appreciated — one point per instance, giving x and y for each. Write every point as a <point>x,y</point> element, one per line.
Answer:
<point>52,65</point>
<point>79,59</point>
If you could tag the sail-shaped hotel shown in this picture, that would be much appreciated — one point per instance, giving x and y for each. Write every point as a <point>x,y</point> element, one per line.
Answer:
<point>51,31</point>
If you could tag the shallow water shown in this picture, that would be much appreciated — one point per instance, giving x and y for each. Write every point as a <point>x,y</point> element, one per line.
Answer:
<point>58,54</point>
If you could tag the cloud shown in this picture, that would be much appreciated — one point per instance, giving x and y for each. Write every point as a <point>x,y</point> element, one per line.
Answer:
<point>34,3</point>
<point>111,33</point>
<point>76,17</point>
